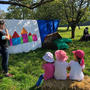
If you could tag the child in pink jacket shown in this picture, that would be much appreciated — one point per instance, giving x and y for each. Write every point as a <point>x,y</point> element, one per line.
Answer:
<point>48,67</point>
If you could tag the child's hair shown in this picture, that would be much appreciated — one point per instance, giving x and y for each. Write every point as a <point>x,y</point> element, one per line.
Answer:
<point>80,56</point>
<point>79,59</point>
<point>86,28</point>
<point>2,22</point>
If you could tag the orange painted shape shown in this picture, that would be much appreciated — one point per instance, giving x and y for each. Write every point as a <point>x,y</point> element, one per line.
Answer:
<point>24,31</point>
<point>10,36</point>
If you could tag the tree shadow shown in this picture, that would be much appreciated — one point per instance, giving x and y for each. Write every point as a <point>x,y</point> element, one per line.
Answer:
<point>64,30</point>
<point>32,88</point>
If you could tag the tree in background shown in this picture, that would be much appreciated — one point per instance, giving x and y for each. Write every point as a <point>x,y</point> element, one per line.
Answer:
<point>17,12</point>
<point>22,9</point>
<point>30,4</point>
<point>2,14</point>
<point>68,11</point>
<point>74,11</point>
<point>49,11</point>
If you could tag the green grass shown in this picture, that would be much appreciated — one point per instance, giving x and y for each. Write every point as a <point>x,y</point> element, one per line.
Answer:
<point>26,67</point>
<point>78,33</point>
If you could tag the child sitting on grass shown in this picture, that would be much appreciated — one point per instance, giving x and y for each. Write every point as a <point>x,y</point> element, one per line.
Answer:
<point>48,67</point>
<point>77,66</point>
<point>61,65</point>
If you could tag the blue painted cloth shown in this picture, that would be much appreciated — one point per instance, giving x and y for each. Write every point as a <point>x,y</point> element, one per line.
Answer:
<point>47,27</point>
<point>39,80</point>
<point>16,41</point>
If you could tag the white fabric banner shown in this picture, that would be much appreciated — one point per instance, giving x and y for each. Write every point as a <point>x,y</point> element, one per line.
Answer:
<point>30,26</point>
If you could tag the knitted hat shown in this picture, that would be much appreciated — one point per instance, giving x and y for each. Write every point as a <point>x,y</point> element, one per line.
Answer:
<point>48,57</point>
<point>80,54</point>
<point>61,55</point>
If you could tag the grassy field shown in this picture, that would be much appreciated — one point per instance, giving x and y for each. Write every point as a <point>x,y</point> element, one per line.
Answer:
<point>26,67</point>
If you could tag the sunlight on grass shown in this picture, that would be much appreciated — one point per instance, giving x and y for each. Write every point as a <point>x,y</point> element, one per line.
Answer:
<point>67,34</point>
<point>76,44</point>
<point>26,67</point>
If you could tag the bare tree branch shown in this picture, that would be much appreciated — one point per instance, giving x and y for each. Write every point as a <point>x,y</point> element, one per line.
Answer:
<point>80,14</point>
<point>32,6</point>
<point>65,11</point>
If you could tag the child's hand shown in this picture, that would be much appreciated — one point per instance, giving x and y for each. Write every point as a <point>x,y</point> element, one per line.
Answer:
<point>7,34</point>
<point>42,66</point>
<point>44,62</point>
<point>3,37</point>
<point>68,68</point>
<point>6,30</point>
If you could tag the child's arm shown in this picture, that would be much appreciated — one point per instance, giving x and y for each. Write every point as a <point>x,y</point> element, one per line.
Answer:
<point>7,34</point>
<point>42,66</point>
<point>6,30</point>
<point>83,68</point>
<point>69,68</point>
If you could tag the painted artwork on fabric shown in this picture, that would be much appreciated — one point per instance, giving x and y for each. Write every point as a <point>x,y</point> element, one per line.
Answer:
<point>10,41</point>
<point>16,39</point>
<point>23,38</point>
<point>24,34</point>
<point>30,39</point>
<point>21,35</point>
<point>34,36</point>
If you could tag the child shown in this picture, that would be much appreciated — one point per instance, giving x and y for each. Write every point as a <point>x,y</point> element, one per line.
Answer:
<point>77,66</point>
<point>48,67</point>
<point>4,37</point>
<point>85,31</point>
<point>60,65</point>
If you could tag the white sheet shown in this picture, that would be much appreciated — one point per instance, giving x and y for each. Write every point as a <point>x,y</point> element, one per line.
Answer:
<point>30,26</point>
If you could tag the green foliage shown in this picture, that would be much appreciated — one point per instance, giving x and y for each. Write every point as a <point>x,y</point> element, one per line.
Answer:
<point>52,10</point>
<point>2,14</point>
<point>75,11</point>
<point>26,67</point>
<point>49,11</point>
<point>76,44</point>
<point>16,12</point>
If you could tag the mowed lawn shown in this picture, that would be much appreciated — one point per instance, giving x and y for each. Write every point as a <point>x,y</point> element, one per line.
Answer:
<point>26,67</point>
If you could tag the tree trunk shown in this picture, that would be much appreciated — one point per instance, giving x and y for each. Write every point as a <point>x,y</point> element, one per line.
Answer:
<point>68,27</point>
<point>78,26</point>
<point>73,31</point>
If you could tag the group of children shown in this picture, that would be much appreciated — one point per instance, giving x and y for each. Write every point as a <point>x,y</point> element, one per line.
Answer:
<point>58,69</point>
<point>52,68</point>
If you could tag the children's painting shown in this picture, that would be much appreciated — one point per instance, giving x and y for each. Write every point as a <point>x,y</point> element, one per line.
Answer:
<point>24,35</point>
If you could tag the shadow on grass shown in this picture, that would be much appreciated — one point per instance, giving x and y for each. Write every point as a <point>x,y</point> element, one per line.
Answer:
<point>35,57</point>
<point>35,88</point>
<point>64,30</point>
<point>78,43</point>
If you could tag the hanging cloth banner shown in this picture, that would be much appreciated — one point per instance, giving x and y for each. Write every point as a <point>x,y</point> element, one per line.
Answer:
<point>24,35</point>
<point>47,27</point>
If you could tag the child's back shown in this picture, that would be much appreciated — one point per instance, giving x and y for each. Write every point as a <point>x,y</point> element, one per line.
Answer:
<point>77,66</point>
<point>60,65</point>
<point>76,71</point>
<point>48,66</point>
<point>49,70</point>
<point>60,70</point>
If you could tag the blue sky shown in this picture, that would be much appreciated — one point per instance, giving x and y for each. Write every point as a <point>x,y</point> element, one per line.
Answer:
<point>4,6</point>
